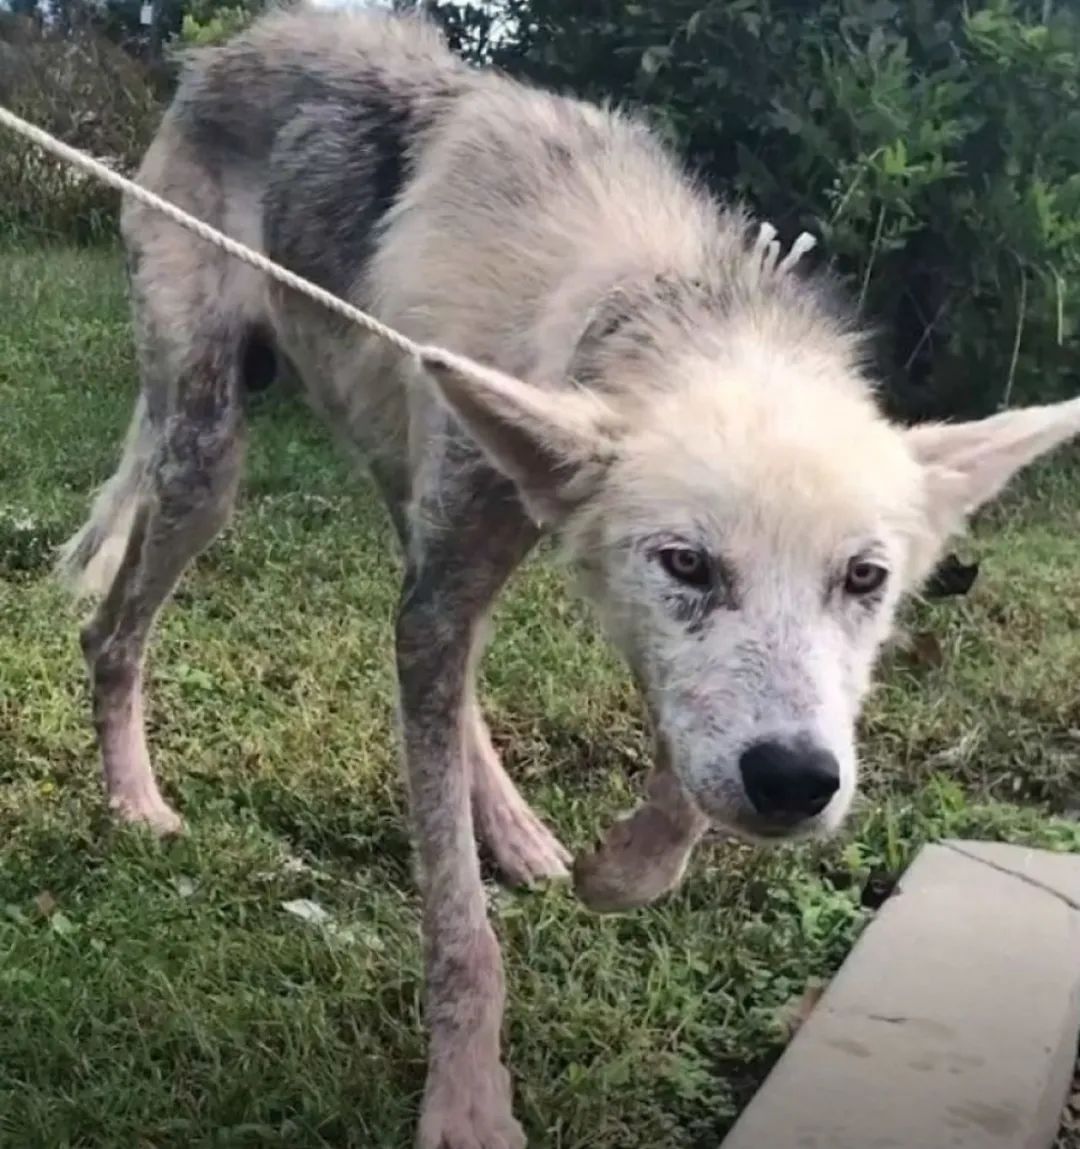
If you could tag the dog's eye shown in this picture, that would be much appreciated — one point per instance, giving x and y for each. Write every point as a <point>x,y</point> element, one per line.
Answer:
<point>864,577</point>
<point>687,565</point>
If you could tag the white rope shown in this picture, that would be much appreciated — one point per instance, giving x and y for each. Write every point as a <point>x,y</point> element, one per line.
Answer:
<point>767,247</point>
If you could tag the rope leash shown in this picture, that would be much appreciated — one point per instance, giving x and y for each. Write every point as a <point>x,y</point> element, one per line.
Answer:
<point>766,249</point>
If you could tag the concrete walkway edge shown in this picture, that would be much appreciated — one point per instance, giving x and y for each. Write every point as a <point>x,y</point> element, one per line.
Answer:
<point>954,1022</point>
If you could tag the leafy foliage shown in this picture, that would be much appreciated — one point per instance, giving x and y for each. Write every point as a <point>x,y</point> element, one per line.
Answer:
<point>213,21</point>
<point>213,27</point>
<point>94,75</point>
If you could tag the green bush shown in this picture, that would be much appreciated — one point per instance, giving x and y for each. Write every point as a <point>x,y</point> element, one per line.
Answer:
<point>215,28</point>
<point>933,147</point>
<point>214,21</point>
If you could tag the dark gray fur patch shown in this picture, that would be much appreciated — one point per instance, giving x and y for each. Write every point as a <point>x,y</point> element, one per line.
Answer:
<point>691,607</point>
<point>335,172</point>
<point>558,154</point>
<point>234,100</point>
<point>694,608</point>
<point>622,323</point>
<point>329,132</point>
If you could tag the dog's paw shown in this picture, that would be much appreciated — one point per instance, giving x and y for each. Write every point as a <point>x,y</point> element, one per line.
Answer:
<point>468,1108</point>
<point>642,858</point>
<point>524,849</point>
<point>144,806</point>
<point>645,854</point>
<point>615,878</point>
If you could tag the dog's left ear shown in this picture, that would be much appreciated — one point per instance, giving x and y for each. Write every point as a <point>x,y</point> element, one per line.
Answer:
<point>967,464</point>
<point>553,444</point>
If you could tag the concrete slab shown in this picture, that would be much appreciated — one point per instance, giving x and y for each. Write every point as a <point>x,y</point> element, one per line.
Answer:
<point>952,1025</point>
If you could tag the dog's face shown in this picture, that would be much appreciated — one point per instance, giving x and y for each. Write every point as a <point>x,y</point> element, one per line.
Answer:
<point>746,541</point>
<point>749,563</point>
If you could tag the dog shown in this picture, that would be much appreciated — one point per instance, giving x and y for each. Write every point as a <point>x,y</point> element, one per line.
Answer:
<point>690,416</point>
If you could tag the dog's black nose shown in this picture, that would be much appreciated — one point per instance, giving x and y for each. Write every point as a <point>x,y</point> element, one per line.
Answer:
<point>789,782</point>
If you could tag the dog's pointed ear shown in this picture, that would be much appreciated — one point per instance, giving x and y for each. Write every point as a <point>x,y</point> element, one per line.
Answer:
<point>554,445</point>
<point>968,464</point>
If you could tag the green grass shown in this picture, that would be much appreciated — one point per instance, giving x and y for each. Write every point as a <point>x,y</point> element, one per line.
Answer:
<point>155,996</point>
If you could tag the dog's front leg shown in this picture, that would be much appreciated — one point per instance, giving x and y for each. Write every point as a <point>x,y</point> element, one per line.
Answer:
<point>454,575</point>
<point>644,855</point>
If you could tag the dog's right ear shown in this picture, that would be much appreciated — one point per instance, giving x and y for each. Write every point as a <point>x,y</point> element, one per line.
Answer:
<point>554,445</point>
<point>968,464</point>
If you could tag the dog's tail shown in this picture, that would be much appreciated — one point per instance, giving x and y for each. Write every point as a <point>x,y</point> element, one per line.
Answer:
<point>88,562</point>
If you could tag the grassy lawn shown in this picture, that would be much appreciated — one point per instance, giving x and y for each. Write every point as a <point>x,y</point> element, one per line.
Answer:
<point>155,996</point>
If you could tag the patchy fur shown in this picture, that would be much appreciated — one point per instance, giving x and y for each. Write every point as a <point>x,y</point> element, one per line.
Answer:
<point>687,414</point>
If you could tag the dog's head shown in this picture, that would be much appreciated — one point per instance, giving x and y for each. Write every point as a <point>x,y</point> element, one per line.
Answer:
<point>746,532</point>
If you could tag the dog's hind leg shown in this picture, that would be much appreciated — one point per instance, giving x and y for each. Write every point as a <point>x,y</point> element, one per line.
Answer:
<point>524,849</point>
<point>190,483</point>
<point>195,311</point>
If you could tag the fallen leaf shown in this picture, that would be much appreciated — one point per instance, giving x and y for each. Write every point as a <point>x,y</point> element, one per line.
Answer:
<point>924,649</point>
<point>45,904</point>
<point>307,910</point>
<point>795,1013</point>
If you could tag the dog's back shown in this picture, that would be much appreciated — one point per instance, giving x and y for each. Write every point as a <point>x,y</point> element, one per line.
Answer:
<point>461,206</point>
<point>301,107</point>
<point>237,97</point>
